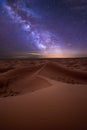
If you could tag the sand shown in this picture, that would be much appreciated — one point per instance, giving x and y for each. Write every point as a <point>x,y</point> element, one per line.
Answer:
<point>43,94</point>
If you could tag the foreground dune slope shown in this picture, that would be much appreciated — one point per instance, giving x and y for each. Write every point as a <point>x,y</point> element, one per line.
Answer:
<point>61,106</point>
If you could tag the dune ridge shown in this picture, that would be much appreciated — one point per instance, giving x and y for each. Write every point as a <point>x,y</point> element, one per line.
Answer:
<point>60,73</point>
<point>12,76</point>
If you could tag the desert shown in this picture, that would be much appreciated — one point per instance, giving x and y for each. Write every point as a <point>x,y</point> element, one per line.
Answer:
<point>43,94</point>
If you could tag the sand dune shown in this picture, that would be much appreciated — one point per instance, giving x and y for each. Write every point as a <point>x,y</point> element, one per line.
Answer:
<point>60,73</point>
<point>59,107</point>
<point>43,94</point>
<point>79,64</point>
<point>27,86</point>
<point>20,74</point>
<point>6,79</point>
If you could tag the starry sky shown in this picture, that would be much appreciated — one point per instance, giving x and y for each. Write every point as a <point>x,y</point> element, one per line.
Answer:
<point>43,28</point>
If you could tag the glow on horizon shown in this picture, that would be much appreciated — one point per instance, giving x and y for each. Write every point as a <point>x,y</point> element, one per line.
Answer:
<point>50,55</point>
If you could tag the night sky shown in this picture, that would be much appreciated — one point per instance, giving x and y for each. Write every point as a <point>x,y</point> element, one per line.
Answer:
<point>43,28</point>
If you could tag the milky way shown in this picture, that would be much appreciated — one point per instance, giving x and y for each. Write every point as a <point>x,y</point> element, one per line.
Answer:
<point>31,33</point>
<point>45,41</point>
